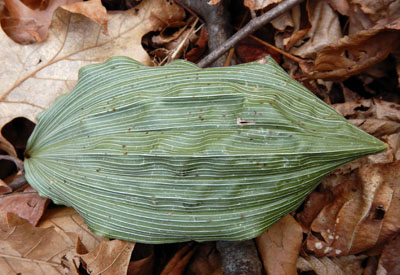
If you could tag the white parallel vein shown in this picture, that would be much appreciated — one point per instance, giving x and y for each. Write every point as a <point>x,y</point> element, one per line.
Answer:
<point>156,154</point>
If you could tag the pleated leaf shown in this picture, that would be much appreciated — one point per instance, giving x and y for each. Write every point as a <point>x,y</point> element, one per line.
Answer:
<point>178,153</point>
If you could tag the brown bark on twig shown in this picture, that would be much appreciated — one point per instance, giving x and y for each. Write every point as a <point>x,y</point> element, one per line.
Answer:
<point>248,29</point>
<point>216,18</point>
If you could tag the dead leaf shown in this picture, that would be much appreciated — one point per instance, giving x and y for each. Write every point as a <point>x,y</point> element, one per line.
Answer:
<point>249,50</point>
<point>27,205</point>
<point>363,212</point>
<point>352,54</point>
<point>279,246</point>
<point>206,260</point>
<point>376,117</point>
<point>26,25</point>
<point>30,250</point>
<point>178,263</point>
<point>142,262</point>
<point>4,189</point>
<point>213,2</point>
<point>373,33</point>
<point>200,47</point>
<point>325,30</point>
<point>389,260</point>
<point>332,266</point>
<point>92,9</point>
<point>259,4</point>
<point>66,219</point>
<point>109,257</point>
<point>34,75</point>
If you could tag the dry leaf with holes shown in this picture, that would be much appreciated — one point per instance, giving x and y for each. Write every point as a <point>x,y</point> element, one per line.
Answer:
<point>362,213</point>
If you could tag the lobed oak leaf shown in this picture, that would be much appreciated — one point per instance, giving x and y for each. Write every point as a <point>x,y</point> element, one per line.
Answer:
<point>30,250</point>
<point>34,75</point>
<point>26,25</point>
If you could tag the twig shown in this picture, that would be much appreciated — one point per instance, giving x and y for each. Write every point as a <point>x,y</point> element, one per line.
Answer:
<point>266,44</point>
<point>248,29</point>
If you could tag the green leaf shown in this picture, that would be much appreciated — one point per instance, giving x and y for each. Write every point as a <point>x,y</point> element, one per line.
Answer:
<point>178,153</point>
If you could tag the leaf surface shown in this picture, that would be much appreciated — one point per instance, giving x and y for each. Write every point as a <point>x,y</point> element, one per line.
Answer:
<point>175,153</point>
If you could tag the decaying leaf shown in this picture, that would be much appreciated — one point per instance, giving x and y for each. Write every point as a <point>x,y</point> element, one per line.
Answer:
<point>28,205</point>
<point>376,117</point>
<point>30,250</point>
<point>156,155</point>
<point>389,260</point>
<point>332,266</point>
<point>206,260</point>
<point>325,30</point>
<point>363,212</point>
<point>279,246</point>
<point>259,4</point>
<point>109,258</point>
<point>34,75</point>
<point>352,54</point>
<point>373,34</point>
<point>142,260</point>
<point>68,220</point>
<point>177,264</point>
<point>27,24</point>
<point>92,9</point>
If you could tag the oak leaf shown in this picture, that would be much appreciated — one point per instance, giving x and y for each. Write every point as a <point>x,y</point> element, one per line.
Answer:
<point>34,75</point>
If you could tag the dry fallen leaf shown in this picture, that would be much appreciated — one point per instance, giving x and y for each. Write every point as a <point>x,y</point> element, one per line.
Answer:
<point>30,250</point>
<point>26,24</point>
<point>376,117</point>
<point>363,212</point>
<point>34,75</point>
<point>259,4</point>
<point>142,260</point>
<point>279,246</point>
<point>206,260</point>
<point>389,260</point>
<point>373,33</point>
<point>179,261</point>
<point>92,9</point>
<point>325,30</point>
<point>28,205</point>
<point>109,257</point>
<point>66,219</point>
<point>332,266</point>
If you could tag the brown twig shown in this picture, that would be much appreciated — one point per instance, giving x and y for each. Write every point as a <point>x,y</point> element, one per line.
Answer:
<point>288,55</point>
<point>248,29</point>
